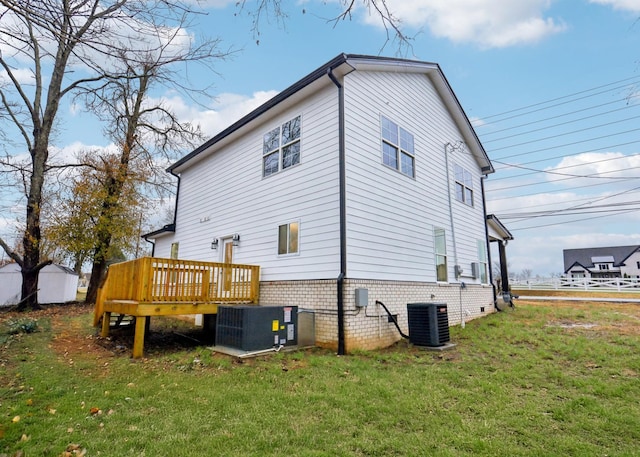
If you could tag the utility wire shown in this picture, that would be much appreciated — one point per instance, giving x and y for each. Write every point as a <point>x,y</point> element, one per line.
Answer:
<point>567,222</point>
<point>557,99</point>
<point>567,155</point>
<point>534,171</point>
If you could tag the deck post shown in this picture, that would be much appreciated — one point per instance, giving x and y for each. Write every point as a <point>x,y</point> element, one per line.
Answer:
<point>138,339</point>
<point>106,322</point>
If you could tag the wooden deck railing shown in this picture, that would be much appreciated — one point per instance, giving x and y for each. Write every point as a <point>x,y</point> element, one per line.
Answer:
<point>153,280</point>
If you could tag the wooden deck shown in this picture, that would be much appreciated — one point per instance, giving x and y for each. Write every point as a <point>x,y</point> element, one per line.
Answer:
<point>152,286</point>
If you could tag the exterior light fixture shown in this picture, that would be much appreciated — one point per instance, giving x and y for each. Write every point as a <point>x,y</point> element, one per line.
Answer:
<point>236,239</point>
<point>214,243</point>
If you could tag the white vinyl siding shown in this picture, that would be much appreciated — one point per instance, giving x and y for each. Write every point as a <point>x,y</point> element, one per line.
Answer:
<point>391,219</point>
<point>225,193</point>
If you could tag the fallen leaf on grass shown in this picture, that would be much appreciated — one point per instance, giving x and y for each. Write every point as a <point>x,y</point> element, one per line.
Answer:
<point>15,419</point>
<point>95,411</point>
<point>74,450</point>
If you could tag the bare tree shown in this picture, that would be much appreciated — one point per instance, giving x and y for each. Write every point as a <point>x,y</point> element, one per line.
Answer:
<point>51,49</point>
<point>145,131</point>
<point>65,47</point>
<point>263,10</point>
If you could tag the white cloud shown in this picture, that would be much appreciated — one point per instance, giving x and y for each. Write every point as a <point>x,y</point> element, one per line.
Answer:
<point>487,23</point>
<point>596,167</point>
<point>624,5</point>
<point>227,109</point>
<point>23,75</point>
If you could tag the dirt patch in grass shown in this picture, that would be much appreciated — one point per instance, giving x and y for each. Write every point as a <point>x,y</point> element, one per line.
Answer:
<point>627,324</point>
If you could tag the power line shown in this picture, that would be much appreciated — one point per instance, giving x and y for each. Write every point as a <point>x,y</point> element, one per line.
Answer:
<point>553,191</point>
<point>566,222</point>
<point>567,155</point>
<point>534,171</point>
<point>558,98</point>
<point>617,121</point>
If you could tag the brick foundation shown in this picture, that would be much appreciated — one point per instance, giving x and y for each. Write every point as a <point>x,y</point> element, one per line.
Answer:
<point>368,327</point>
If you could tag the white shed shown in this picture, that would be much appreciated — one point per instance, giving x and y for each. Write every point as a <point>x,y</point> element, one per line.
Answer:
<point>57,284</point>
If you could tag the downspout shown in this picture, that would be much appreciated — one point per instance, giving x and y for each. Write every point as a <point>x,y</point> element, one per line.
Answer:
<point>175,208</point>
<point>456,267</point>
<point>486,234</point>
<point>343,213</point>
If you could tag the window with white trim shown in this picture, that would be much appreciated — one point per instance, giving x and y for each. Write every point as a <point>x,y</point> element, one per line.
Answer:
<point>397,148</point>
<point>288,235</point>
<point>281,147</point>
<point>464,185</point>
<point>440,248</point>
<point>483,261</point>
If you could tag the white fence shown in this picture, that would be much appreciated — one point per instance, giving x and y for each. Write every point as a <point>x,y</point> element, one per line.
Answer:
<point>611,284</point>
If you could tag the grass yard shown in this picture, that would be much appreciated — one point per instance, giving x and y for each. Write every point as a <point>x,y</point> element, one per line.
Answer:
<point>548,379</point>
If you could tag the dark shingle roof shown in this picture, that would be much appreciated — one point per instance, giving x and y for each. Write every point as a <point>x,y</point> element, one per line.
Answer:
<point>583,256</point>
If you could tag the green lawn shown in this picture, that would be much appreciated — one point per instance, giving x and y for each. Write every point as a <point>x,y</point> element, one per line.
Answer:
<point>543,380</point>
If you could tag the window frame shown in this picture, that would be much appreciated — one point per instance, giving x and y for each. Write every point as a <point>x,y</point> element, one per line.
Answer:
<point>437,233</point>
<point>288,250</point>
<point>483,262</point>
<point>402,142</point>
<point>278,142</point>
<point>463,187</point>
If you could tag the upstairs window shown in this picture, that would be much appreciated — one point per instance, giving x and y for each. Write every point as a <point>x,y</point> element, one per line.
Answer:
<point>397,148</point>
<point>281,147</point>
<point>464,185</point>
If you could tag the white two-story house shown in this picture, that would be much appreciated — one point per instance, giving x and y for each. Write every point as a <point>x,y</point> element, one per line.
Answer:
<point>365,174</point>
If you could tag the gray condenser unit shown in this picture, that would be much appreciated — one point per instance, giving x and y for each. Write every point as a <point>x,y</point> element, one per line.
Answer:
<point>254,328</point>
<point>428,324</point>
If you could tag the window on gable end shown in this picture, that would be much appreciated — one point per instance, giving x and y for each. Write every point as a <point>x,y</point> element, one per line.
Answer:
<point>464,185</point>
<point>397,148</point>
<point>281,147</point>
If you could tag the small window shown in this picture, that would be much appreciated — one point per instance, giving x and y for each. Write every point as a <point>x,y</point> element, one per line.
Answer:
<point>483,261</point>
<point>281,147</point>
<point>440,244</point>
<point>397,148</point>
<point>174,250</point>
<point>464,185</point>
<point>288,238</point>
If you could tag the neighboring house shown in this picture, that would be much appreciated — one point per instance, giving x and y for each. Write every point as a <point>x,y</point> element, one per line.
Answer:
<point>365,174</point>
<point>607,262</point>
<point>56,284</point>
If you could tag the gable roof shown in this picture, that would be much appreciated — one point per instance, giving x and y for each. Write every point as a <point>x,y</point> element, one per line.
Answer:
<point>340,66</point>
<point>586,257</point>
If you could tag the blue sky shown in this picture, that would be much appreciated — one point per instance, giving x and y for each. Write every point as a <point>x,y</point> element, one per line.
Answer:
<point>499,56</point>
